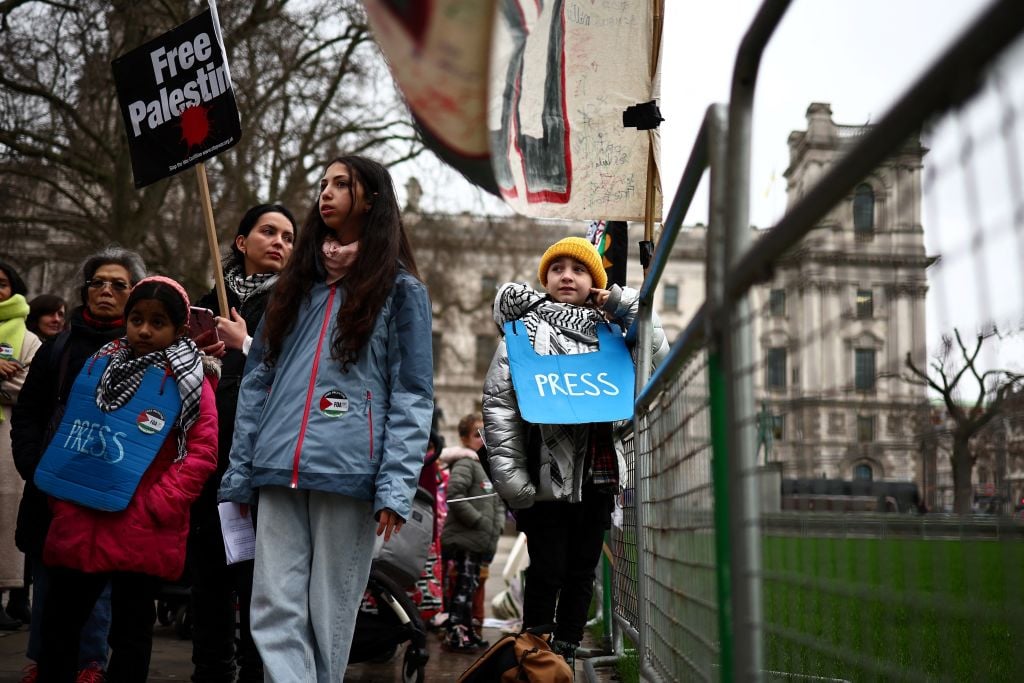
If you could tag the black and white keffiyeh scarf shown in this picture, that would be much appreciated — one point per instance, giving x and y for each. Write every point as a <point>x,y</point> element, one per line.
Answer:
<point>246,286</point>
<point>518,301</point>
<point>554,328</point>
<point>124,374</point>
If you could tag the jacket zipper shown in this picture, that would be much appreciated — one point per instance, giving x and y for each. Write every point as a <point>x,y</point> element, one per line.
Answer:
<point>369,404</point>
<point>309,391</point>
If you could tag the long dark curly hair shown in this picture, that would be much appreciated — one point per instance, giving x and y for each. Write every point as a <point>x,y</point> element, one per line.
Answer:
<point>383,249</point>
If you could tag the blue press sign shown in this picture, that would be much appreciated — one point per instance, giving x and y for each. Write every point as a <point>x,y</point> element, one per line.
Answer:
<point>97,459</point>
<point>576,388</point>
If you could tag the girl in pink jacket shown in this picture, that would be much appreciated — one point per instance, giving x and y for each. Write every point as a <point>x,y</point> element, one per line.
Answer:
<point>140,546</point>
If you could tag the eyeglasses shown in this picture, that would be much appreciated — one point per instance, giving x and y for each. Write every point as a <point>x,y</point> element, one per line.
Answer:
<point>99,283</point>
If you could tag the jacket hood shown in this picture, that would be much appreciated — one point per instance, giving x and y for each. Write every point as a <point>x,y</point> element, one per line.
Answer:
<point>453,453</point>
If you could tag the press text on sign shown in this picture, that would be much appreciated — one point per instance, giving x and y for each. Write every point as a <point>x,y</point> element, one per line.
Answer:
<point>575,384</point>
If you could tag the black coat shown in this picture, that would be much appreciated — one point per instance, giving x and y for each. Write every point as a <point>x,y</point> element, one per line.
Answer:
<point>41,401</point>
<point>204,510</point>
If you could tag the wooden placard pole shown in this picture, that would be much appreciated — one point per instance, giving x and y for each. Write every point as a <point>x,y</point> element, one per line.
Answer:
<point>657,8</point>
<point>211,236</point>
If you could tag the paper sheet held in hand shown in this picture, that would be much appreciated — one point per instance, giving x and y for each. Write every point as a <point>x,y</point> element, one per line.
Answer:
<point>239,535</point>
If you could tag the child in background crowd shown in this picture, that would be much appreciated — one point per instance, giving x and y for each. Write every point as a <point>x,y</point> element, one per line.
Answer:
<point>138,547</point>
<point>470,536</point>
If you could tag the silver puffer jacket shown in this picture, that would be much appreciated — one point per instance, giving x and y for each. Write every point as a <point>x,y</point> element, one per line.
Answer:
<point>553,328</point>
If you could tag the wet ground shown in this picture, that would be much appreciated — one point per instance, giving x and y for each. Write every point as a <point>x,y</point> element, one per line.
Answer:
<point>172,656</point>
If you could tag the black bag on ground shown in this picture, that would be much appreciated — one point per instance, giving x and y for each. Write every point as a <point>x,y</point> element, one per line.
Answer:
<point>526,657</point>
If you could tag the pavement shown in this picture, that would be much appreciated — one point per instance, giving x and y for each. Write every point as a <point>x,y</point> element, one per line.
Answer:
<point>172,656</point>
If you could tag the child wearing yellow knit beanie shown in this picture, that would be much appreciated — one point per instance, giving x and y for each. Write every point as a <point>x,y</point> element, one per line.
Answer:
<point>559,479</point>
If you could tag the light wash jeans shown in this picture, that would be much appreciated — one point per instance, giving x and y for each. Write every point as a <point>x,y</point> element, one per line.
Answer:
<point>92,648</point>
<point>313,554</point>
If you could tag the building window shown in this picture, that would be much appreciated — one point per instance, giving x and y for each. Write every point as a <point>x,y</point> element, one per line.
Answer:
<point>775,368</point>
<point>777,302</point>
<point>865,428</point>
<point>670,298</point>
<point>485,345</point>
<point>864,369</point>
<point>865,304</point>
<point>488,287</point>
<point>435,340</point>
<point>863,210</point>
<point>778,427</point>
<point>863,473</point>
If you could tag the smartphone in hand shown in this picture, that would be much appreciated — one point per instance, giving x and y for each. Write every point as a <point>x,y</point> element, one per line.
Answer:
<point>201,321</point>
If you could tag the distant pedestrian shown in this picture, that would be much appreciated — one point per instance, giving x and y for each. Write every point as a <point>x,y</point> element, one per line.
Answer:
<point>475,519</point>
<point>47,316</point>
<point>18,346</point>
<point>106,279</point>
<point>333,417</point>
<point>559,479</point>
<point>142,545</point>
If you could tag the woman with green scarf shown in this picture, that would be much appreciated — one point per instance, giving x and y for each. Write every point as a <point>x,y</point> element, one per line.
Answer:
<point>17,347</point>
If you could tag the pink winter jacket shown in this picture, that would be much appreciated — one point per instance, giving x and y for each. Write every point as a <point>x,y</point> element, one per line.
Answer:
<point>149,535</point>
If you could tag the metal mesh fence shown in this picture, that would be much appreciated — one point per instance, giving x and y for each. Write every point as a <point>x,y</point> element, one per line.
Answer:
<point>682,613</point>
<point>889,409</point>
<point>623,542</point>
<point>882,348</point>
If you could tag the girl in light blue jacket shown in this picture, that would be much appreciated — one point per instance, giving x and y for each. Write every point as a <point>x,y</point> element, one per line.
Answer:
<point>333,418</point>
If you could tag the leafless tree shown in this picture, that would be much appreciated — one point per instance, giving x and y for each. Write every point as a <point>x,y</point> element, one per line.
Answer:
<point>951,365</point>
<point>309,82</point>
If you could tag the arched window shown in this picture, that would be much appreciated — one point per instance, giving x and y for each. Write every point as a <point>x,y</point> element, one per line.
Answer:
<point>863,210</point>
<point>863,472</point>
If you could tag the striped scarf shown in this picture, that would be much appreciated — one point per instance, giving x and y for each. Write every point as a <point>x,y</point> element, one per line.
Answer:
<point>518,301</point>
<point>124,374</point>
<point>246,286</point>
<point>554,329</point>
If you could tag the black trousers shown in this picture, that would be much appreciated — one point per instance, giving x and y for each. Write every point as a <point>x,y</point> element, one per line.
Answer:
<point>70,600</point>
<point>215,587</point>
<point>467,566</point>
<point>565,541</point>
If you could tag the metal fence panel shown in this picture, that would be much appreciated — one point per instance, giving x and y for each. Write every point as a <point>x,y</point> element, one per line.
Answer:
<point>845,591</point>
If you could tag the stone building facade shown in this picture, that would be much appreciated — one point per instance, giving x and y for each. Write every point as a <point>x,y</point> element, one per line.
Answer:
<point>844,309</point>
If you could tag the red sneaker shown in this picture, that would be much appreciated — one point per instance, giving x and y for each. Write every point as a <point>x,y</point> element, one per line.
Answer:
<point>92,673</point>
<point>29,674</point>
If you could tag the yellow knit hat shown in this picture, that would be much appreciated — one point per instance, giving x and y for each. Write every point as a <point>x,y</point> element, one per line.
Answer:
<point>579,249</point>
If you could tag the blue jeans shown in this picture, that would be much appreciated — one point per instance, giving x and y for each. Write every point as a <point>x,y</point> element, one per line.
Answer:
<point>92,647</point>
<point>313,554</point>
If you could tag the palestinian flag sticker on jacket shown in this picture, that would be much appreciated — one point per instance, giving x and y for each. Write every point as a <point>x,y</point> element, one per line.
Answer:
<point>333,404</point>
<point>150,421</point>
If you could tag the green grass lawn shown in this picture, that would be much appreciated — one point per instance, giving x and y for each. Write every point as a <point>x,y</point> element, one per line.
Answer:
<point>882,609</point>
<point>894,609</point>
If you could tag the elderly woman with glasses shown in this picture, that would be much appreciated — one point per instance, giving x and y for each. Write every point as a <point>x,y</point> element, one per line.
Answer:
<point>107,278</point>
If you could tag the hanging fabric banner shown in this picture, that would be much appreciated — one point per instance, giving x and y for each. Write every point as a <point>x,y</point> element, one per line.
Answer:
<point>526,97</point>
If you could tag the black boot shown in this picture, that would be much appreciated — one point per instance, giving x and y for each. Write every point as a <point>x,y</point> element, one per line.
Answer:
<point>18,606</point>
<point>567,651</point>
<point>7,622</point>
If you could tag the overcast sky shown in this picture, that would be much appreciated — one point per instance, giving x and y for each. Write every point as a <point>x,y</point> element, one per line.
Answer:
<point>858,57</point>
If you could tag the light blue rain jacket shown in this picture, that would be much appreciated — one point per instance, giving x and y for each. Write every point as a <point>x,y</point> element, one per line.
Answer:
<point>303,423</point>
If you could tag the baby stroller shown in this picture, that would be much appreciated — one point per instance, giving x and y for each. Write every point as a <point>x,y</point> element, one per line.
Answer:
<point>387,616</point>
<point>174,606</point>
